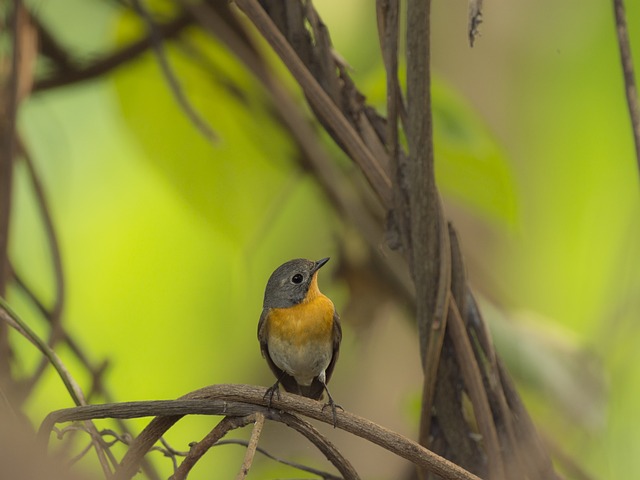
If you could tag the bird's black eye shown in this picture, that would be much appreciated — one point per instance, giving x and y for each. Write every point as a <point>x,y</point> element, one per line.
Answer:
<point>297,278</point>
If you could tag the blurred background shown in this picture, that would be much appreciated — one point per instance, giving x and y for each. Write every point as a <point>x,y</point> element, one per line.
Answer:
<point>168,240</point>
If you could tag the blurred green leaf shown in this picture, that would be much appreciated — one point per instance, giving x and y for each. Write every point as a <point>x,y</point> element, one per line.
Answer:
<point>223,181</point>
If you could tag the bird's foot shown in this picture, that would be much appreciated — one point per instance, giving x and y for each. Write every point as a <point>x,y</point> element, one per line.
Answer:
<point>271,391</point>
<point>334,407</point>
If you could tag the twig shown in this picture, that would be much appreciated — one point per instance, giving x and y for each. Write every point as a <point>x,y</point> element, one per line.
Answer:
<point>566,463</point>
<point>12,319</point>
<point>8,110</point>
<point>315,437</point>
<point>199,449</point>
<point>475,19</point>
<point>54,315</point>
<point>114,60</point>
<point>251,447</point>
<point>629,77</point>
<point>298,466</point>
<point>174,84</point>
<point>473,381</point>
<point>537,461</point>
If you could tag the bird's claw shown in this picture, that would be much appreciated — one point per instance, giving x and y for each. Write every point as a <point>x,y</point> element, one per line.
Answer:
<point>271,391</point>
<point>334,406</point>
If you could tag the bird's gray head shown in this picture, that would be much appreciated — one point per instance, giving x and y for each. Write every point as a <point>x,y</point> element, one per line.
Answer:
<point>290,282</point>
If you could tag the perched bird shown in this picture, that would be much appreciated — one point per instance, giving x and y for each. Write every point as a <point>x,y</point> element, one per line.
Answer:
<point>299,331</point>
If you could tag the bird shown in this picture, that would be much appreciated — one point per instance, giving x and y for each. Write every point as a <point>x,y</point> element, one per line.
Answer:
<point>299,332</point>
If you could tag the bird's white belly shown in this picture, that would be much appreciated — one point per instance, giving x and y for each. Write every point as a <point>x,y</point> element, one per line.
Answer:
<point>303,362</point>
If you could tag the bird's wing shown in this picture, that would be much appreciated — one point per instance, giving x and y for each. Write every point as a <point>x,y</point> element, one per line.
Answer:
<point>337,338</point>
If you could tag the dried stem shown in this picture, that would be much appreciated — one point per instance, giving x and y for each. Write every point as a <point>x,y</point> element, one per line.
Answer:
<point>199,449</point>
<point>251,447</point>
<point>102,66</point>
<point>325,108</point>
<point>13,320</point>
<point>172,80</point>
<point>8,110</point>
<point>629,77</point>
<point>53,315</point>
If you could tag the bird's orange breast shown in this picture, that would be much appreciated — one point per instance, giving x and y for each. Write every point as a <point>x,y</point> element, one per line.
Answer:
<point>309,321</point>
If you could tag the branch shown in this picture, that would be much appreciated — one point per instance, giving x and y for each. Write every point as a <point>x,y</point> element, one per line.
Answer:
<point>8,112</point>
<point>429,252</point>
<point>13,320</point>
<point>240,400</point>
<point>174,84</point>
<point>227,424</point>
<point>374,168</point>
<point>53,315</point>
<point>251,447</point>
<point>475,19</point>
<point>114,60</point>
<point>298,466</point>
<point>629,77</point>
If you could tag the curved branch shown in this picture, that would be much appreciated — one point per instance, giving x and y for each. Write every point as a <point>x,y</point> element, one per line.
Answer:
<point>240,400</point>
<point>225,425</point>
<point>629,77</point>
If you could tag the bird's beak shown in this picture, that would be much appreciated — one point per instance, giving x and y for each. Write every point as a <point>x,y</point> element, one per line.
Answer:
<point>319,264</point>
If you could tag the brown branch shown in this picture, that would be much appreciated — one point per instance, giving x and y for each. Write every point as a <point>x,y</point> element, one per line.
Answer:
<point>54,314</point>
<point>371,166</point>
<point>475,19</point>
<point>172,80</point>
<point>429,253</point>
<point>8,112</point>
<point>82,73</point>
<point>325,446</point>
<point>251,447</point>
<point>298,466</point>
<point>341,191</point>
<point>240,400</point>
<point>199,449</point>
<point>50,47</point>
<point>473,381</point>
<point>10,318</point>
<point>629,77</point>
<point>537,462</point>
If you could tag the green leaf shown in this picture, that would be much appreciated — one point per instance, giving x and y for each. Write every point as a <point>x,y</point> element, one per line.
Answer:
<point>225,180</point>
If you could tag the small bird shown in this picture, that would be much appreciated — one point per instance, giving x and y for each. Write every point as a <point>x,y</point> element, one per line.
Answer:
<point>299,331</point>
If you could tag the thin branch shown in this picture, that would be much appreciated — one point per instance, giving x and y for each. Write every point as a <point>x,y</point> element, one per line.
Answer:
<point>475,19</point>
<point>13,320</point>
<point>473,381</point>
<point>314,436</point>
<point>172,80</point>
<point>9,317</point>
<point>251,447</point>
<point>8,111</point>
<point>629,77</point>
<point>227,424</point>
<point>51,48</point>
<point>114,60</point>
<point>54,315</point>
<point>298,466</point>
